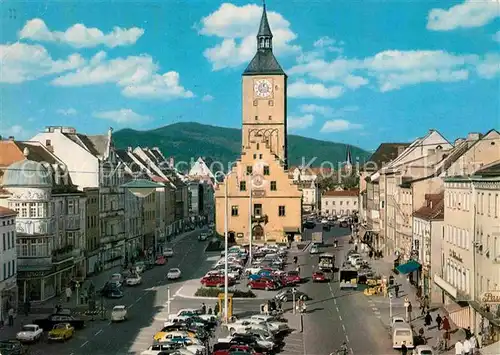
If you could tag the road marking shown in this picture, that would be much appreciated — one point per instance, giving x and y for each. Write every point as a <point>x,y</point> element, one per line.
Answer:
<point>98,332</point>
<point>337,308</point>
<point>375,308</point>
<point>340,319</point>
<point>81,346</point>
<point>343,327</point>
<point>335,300</point>
<point>347,338</point>
<point>352,351</point>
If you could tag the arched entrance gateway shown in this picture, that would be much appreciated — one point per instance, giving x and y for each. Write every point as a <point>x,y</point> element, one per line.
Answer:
<point>258,232</point>
<point>231,237</point>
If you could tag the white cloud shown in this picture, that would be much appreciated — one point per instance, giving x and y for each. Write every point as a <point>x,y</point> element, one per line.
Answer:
<point>339,126</point>
<point>496,36</point>
<point>80,36</point>
<point>489,67</point>
<point>328,111</point>
<point>300,122</point>
<point>137,76</point>
<point>207,98</point>
<point>393,69</point>
<point>67,112</point>
<point>237,27</point>
<point>122,116</point>
<point>301,89</point>
<point>12,131</point>
<point>20,62</point>
<point>471,13</point>
<point>322,47</point>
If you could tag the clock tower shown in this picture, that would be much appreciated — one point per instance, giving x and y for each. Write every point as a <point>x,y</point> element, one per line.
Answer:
<point>264,97</point>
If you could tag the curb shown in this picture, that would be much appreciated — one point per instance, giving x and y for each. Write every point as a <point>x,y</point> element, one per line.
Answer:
<point>216,298</point>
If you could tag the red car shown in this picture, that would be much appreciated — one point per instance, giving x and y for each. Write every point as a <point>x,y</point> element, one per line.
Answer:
<point>215,281</point>
<point>293,277</point>
<point>319,276</point>
<point>160,260</point>
<point>262,284</point>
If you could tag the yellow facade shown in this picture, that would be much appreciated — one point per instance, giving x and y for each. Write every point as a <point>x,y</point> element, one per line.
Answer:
<point>276,205</point>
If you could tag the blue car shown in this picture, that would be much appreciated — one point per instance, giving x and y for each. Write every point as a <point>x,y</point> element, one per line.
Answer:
<point>260,274</point>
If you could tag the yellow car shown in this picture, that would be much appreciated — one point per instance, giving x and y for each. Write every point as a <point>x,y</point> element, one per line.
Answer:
<point>61,332</point>
<point>165,332</point>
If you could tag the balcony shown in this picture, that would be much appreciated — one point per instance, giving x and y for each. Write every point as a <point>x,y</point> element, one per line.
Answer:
<point>64,253</point>
<point>260,219</point>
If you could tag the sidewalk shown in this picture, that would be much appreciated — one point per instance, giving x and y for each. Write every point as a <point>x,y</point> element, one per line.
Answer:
<point>381,307</point>
<point>47,307</point>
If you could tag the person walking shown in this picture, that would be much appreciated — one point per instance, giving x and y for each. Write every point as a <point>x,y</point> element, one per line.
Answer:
<point>439,320</point>
<point>428,319</point>
<point>446,324</point>
<point>459,348</point>
<point>410,310</point>
<point>479,340</point>
<point>404,348</point>
<point>466,348</point>
<point>203,308</point>
<point>396,291</point>
<point>473,344</point>
<point>11,316</point>
<point>68,293</point>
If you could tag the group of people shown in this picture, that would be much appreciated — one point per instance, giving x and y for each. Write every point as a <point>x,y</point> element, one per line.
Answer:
<point>470,345</point>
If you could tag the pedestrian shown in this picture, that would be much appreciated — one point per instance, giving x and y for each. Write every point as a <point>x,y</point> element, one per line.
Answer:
<point>428,319</point>
<point>298,269</point>
<point>404,349</point>
<point>446,324</point>
<point>203,308</point>
<point>473,344</point>
<point>446,337</point>
<point>409,310</point>
<point>459,348</point>
<point>466,348</point>
<point>479,340</point>
<point>68,293</point>
<point>468,332</point>
<point>210,310</point>
<point>439,320</point>
<point>216,309</point>
<point>396,290</point>
<point>11,316</point>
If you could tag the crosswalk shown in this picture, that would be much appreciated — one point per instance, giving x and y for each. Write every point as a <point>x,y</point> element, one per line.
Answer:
<point>294,344</point>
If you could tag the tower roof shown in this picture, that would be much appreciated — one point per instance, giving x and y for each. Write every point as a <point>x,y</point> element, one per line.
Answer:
<point>264,28</point>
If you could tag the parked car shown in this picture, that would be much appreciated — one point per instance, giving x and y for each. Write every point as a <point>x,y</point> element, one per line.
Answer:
<point>293,277</point>
<point>174,274</point>
<point>61,332</point>
<point>214,281</point>
<point>133,280</point>
<point>29,333</point>
<point>287,295</point>
<point>263,284</point>
<point>12,347</point>
<point>160,260</point>
<point>119,313</point>
<point>49,322</point>
<point>203,237</point>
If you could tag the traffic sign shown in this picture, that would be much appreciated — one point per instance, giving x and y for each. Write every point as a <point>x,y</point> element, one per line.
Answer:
<point>77,284</point>
<point>294,290</point>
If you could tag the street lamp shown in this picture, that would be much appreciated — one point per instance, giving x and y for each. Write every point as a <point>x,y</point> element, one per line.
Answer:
<point>142,188</point>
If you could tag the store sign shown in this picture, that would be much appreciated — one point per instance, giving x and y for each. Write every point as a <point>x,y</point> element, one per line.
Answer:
<point>491,297</point>
<point>258,193</point>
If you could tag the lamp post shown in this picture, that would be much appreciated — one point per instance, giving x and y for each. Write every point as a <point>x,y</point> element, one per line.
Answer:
<point>250,198</point>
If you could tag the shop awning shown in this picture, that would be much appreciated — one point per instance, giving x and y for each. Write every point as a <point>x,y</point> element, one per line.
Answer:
<point>291,230</point>
<point>410,266</point>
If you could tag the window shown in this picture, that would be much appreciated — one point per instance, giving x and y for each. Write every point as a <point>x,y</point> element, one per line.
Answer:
<point>266,170</point>
<point>243,185</point>
<point>12,236</point>
<point>281,211</point>
<point>270,118</point>
<point>4,242</point>
<point>258,146</point>
<point>256,118</point>
<point>257,209</point>
<point>273,186</point>
<point>271,103</point>
<point>234,210</point>
<point>260,156</point>
<point>33,210</point>
<point>255,102</point>
<point>24,210</point>
<point>347,203</point>
<point>255,156</point>
<point>489,204</point>
<point>249,169</point>
<point>341,202</point>
<point>495,207</point>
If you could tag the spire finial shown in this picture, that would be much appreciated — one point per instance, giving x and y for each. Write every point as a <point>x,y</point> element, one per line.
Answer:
<point>264,4</point>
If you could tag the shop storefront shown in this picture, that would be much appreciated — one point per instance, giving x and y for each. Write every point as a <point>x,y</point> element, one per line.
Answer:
<point>41,285</point>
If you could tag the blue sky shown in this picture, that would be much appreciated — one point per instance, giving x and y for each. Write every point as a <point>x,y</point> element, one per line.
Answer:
<point>360,72</point>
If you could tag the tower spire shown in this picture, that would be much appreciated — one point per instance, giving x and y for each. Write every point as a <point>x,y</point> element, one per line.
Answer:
<point>264,36</point>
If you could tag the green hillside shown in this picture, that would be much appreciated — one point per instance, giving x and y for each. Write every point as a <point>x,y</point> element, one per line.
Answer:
<point>189,140</point>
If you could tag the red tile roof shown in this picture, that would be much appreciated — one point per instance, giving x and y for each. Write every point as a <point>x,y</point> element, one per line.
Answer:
<point>342,193</point>
<point>433,208</point>
<point>6,212</point>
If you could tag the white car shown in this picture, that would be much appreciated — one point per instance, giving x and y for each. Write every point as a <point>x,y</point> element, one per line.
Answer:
<point>168,252</point>
<point>29,333</point>
<point>119,313</point>
<point>243,325</point>
<point>117,279</point>
<point>174,274</point>
<point>254,269</point>
<point>272,324</point>
<point>314,250</point>
<point>423,350</point>
<point>133,280</point>
<point>189,312</point>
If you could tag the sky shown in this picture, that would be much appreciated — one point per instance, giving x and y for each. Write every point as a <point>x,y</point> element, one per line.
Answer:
<point>359,72</point>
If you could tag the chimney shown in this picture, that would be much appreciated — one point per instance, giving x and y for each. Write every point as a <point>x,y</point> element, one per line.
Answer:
<point>401,149</point>
<point>473,136</point>
<point>171,162</point>
<point>129,149</point>
<point>458,141</point>
<point>11,138</point>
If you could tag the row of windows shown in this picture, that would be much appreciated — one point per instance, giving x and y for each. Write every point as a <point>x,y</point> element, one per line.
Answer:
<point>9,269</point>
<point>341,212</point>
<point>457,236</point>
<point>37,247</point>
<point>458,276</point>
<point>7,222</point>
<point>31,209</point>
<point>265,168</point>
<point>340,203</point>
<point>9,240</point>
<point>487,205</point>
<point>458,200</point>
<point>235,211</point>
<point>273,186</point>
<point>92,221</point>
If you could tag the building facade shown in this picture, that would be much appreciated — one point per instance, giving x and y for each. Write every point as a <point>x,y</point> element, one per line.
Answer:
<point>50,244</point>
<point>92,162</point>
<point>92,229</point>
<point>258,187</point>
<point>8,262</point>
<point>339,202</point>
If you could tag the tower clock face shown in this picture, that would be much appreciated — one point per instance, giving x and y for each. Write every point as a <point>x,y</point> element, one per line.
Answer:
<point>263,88</point>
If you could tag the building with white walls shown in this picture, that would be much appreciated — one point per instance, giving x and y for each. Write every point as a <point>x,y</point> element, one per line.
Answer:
<point>8,262</point>
<point>91,162</point>
<point>339,202</point>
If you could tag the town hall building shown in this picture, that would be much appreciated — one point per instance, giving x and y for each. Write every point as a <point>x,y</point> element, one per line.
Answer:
<point>261,197</point>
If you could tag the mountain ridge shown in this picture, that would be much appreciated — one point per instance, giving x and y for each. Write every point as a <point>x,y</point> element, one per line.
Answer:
<point>186,141</point>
